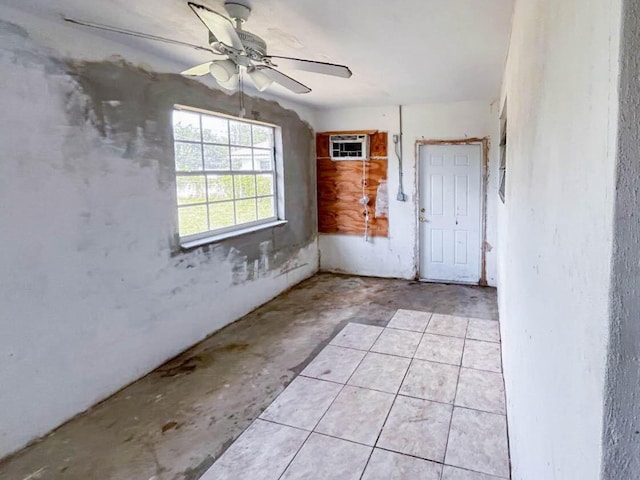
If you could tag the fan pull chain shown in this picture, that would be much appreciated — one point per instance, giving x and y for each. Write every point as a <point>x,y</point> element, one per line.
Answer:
<point>242,112</point>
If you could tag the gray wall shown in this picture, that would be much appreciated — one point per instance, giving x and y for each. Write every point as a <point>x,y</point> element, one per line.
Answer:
<point>555,233</point>
<point>621,435</point>
<point>94,289</point>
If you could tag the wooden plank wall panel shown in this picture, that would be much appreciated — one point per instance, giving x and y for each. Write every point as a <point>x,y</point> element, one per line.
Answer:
<point>340,189</point>
<point>378,145</point>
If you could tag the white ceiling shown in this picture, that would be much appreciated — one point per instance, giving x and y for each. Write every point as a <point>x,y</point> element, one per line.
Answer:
<point>403,52</point>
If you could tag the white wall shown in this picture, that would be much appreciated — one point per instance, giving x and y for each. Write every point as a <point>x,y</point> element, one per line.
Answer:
<point>621,455</point>
<point>94,293</point>
<point>395,256</point>
<point>556,233</point>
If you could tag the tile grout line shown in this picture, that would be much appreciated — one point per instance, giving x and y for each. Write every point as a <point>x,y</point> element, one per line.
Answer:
<point>413,357</point>
<point>309,431</point>
<point>415,331</point>
<point>399,393</point>
<point>285,425</point>
<point>352,384</point>
<point>395,398</point>
<point>396,395</point>
<point>450,404</point>
<point>464,344</point>
<point>390,408</point>
<point>386,450</point>
<point>386,418</point>
<point>442,464</point>
<point>353,348</point>
<point>446,445</point>
<point>329,407</point>
<point>296,454</point>
<point>408,329</point>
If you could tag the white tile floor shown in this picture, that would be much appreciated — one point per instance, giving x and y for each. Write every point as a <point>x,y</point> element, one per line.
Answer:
<point>420,399</point>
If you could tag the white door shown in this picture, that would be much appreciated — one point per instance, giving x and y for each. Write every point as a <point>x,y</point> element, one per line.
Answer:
<point>450,213</point>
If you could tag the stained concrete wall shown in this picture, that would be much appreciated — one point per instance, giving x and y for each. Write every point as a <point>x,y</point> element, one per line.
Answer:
<point>621,426</point>
<point>396,256</point>
<point>555,233</point>
<point>94,289</point>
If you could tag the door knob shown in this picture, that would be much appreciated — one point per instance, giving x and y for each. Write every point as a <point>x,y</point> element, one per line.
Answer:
<point>423,219</point>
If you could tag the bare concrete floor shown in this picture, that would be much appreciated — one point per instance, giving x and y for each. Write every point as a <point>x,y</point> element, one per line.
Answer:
<point>173,423</point>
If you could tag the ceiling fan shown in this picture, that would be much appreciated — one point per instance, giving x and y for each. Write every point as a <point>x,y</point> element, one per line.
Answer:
<point>236,50</point>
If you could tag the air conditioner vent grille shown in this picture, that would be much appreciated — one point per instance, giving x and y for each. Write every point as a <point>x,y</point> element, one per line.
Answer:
<point>349,147</point>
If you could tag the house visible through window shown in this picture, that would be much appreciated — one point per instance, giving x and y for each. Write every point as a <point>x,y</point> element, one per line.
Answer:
<point>225,173</point>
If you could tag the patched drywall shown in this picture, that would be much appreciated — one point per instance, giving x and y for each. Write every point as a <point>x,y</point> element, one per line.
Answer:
<point>396,256</point>
<point>555,233</point>
<point>95,291</point>
<point>621,426</point>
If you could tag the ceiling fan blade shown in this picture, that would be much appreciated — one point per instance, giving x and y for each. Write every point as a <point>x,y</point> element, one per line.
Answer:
<point>284,80</point>
<point>198,70</point>
<point>219,25</point>
<point>311,66</point>
<point>132,33</point>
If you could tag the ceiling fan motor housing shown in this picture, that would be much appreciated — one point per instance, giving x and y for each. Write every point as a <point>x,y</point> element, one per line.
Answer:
<point>255,46</point>
<point>252,43</point>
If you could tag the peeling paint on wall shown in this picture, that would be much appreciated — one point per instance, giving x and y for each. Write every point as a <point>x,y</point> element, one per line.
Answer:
<point>100,291</point>
<point>135,123</point>
<point>382,200</point>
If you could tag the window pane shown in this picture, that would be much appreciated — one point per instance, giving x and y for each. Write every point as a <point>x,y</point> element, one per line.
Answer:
<point>188,157</point>
<point>215,129</point>
<point>265,208</point>
<point>245,186</point>
<point>265,184</point>
<point>186,126</point>
<point>222,166</point>
<point>192,220</point>
<point>262,136</point>
<point>241,159</point>
<point>240,133</point>
<point>246,210</point>
<point>220,187</point>
<point>263,160</point>
<point>190,189</point>
<point>221,215</point>
<point>216,157</point>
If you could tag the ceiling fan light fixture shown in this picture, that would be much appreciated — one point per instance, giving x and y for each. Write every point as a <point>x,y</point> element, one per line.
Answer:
<point>259,79</point>
<point>230,84</point>
<point>223,70</point>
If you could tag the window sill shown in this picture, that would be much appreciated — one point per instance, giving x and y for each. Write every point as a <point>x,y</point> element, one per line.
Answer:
<point>190,244</point>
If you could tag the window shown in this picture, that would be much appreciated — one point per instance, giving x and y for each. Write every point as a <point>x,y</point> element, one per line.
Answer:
<point>225,173</point>
<point>503,161</point>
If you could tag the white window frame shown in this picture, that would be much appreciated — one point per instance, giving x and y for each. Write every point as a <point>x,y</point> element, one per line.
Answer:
<point>209,236</point>
<point>502,186</point>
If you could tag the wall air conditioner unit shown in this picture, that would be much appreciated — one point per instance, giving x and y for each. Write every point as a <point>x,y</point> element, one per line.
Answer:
<point>349,147</point>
